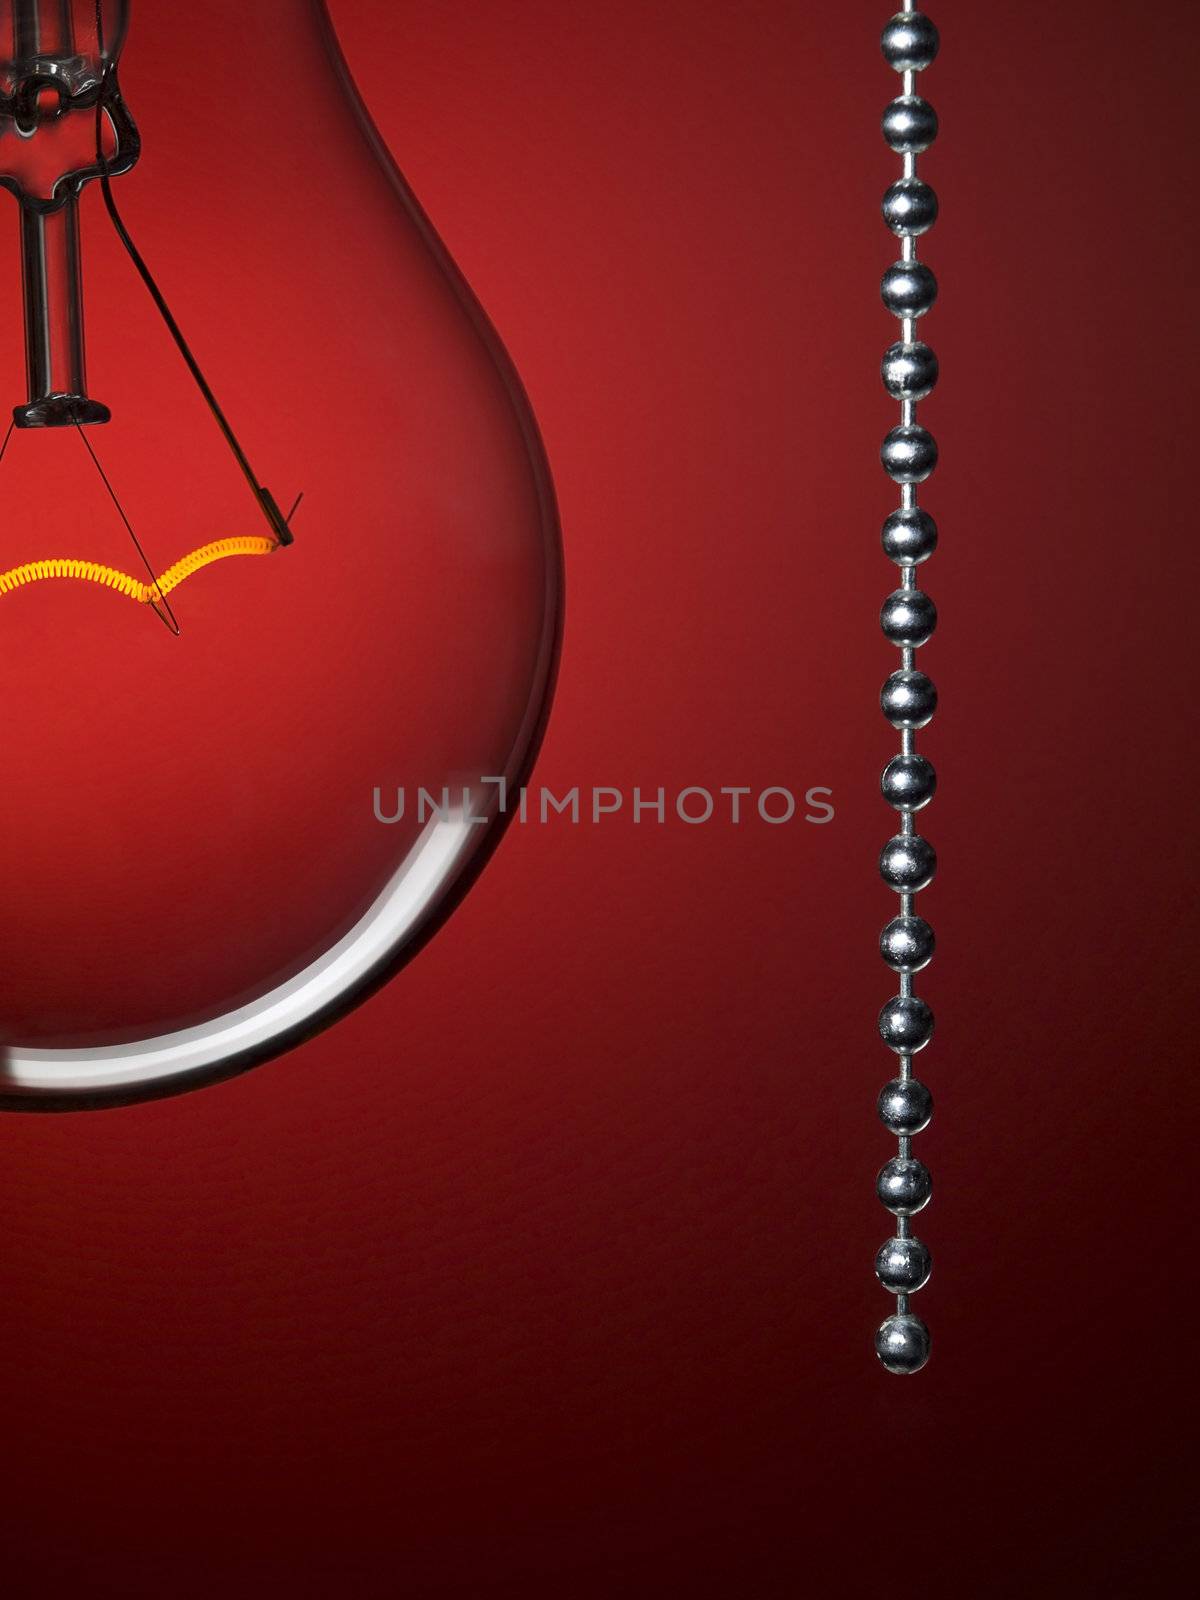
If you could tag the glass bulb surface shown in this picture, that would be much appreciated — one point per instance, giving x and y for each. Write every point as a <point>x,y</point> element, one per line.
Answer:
<point>195,869</point>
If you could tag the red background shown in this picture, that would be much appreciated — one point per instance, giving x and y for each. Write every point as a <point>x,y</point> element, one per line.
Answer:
<point>549,1271</point>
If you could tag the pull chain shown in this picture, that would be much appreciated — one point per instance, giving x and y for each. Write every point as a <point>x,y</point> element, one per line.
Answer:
<point>908,699</point>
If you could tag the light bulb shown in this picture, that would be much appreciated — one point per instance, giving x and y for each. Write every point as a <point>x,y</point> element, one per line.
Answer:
<point>215,841</point>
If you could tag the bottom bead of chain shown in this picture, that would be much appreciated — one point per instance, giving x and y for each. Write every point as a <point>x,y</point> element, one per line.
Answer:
<point>902,1343</point>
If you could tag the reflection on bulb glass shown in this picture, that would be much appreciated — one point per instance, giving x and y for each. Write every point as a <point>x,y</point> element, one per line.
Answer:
<point>195,872</point>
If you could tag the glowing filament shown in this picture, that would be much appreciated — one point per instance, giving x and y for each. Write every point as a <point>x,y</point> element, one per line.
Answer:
<point>122,582</point>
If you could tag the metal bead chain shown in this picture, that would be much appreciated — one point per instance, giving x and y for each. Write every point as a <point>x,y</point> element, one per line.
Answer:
<point>909,699</point>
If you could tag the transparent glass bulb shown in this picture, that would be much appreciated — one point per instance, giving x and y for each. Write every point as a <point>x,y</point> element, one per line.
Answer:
<point>203,856</point>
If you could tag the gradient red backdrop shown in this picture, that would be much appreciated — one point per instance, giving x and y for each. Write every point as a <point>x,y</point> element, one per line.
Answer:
<point>549,1271</point>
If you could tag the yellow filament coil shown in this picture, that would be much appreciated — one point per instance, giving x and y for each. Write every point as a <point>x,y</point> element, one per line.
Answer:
<point>110,578</point>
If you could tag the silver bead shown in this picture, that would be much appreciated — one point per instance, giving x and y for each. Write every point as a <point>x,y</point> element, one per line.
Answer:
<point>908,289</point>
<point>903,1265</point>
<point>909,371</point>
<point>907,863</point>
<point>904,1185</point>
<point>909,536</point>
<point>908,699</point>
<point>905,1107</point>
<point>908,618</point>
<point>909,453</point>
<point>907,944</point>
<point>909,42</point>
<point>906,1024</point>
<point>910,125</point>
<point>908,782</point>
<point>902,1344</point>
<point>909,207</point>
